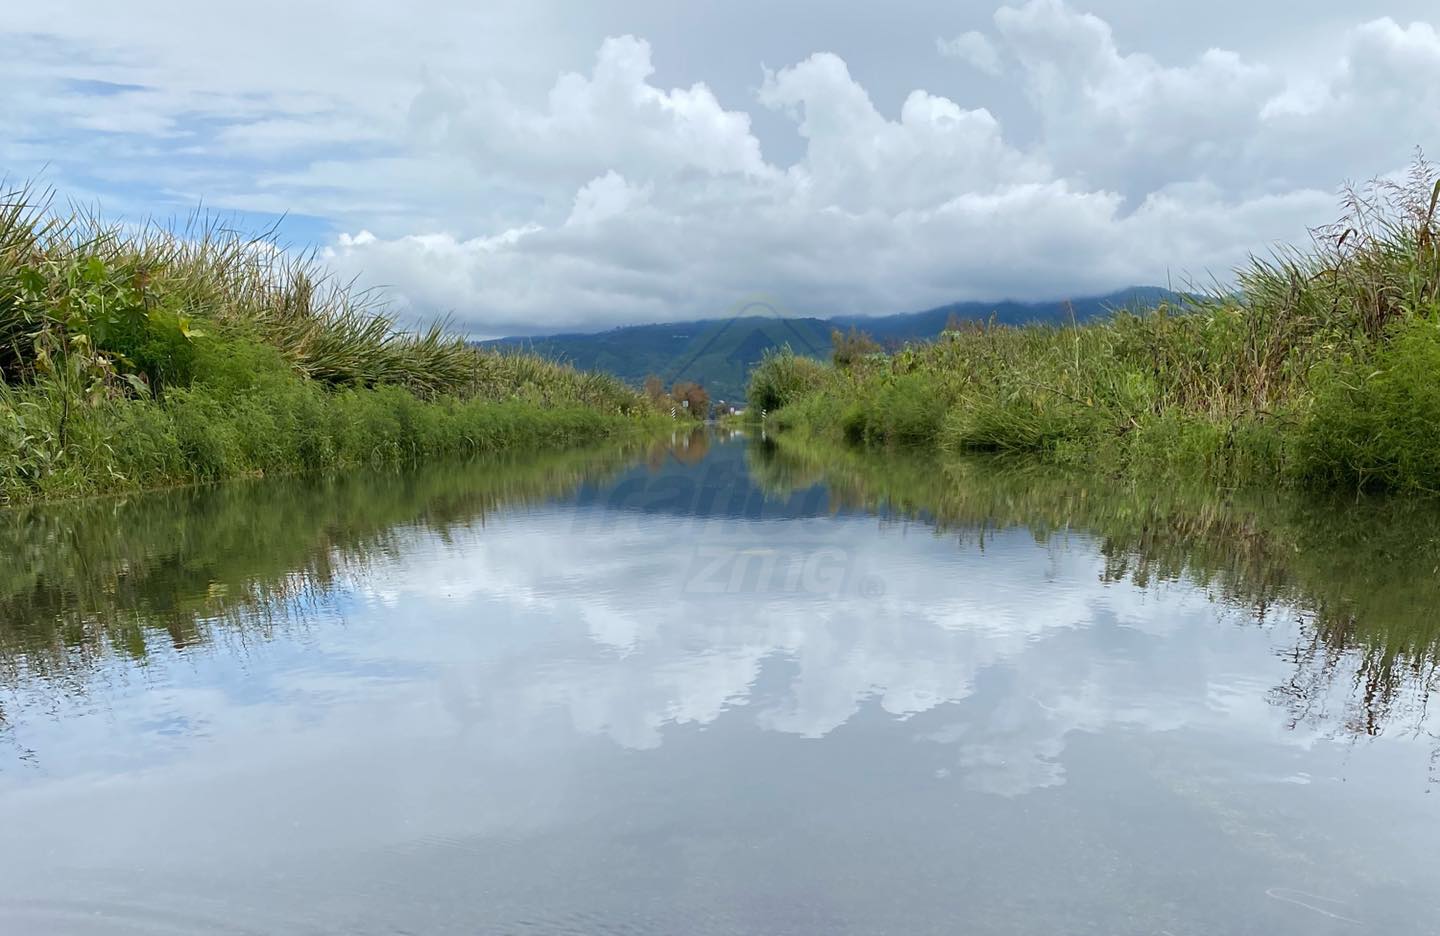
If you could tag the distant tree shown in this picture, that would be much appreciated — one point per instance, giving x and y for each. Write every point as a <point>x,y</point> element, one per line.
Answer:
<point>692,398</point>
<point>851,346</point>
<point>968,325</point>
<point>654,388</point>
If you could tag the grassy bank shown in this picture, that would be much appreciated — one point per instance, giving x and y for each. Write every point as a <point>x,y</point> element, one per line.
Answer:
<point>1320,370</point>
<point>138,358</point>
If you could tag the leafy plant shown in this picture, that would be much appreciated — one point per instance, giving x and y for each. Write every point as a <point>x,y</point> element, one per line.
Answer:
<point>782,377</point>
<point>153,356</point>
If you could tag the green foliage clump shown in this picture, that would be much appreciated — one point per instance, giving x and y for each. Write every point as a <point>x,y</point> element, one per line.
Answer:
<point>48,448</point>
<point>1376,422</point>
<point>782,377</point>
<point>135,358</point>
<point>850,347</point>
<point>1321,369</point>
<point>905,410</point>
<point>1030,422</point>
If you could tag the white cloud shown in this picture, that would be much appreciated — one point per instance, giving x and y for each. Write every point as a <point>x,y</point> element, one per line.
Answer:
<point>975,49</point>
<point>604,197</point>
<point>1386,58</point>
<point>275,136</point>
<point>611,119</point>
<point>627,189</point>
<point>858,161</point>
<point>1125,119</point>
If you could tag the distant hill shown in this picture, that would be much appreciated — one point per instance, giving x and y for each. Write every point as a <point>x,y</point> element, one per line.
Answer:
<point>719,353</point>
<point>908,326</point>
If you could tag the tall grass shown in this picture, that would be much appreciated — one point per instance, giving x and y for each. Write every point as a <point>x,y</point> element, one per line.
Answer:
<point>1320,369</point>
<point>142,356</point>
<point>782,377</point>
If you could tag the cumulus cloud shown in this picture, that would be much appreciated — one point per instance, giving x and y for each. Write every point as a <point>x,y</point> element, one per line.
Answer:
<point>1119,119</point>
<point>859,162</point>
<point>611,119</point>
<point>1144,172</point>
<point>600,193</point>
<point>1127,121</point>
<point>604,197</point>
<point>974,48</point>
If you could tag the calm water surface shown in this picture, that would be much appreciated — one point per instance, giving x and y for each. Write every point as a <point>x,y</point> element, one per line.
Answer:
<point>717,687</point>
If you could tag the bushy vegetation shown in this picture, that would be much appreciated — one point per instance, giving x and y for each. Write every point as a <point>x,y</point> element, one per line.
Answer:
<point>684,400</point>
<point>1321,368</point>
<point>781,378</point>
<point>135,358</point>
<point>849,347</point>
<point>1376,421</point>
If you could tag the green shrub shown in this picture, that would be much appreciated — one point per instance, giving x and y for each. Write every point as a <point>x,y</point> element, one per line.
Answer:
<point>906,410</point>
<point>1376,422</point>
<point>48,449</point>
<point>130,359</point>
<point>783,377</point>
<point>1028,422</point>
<point>1321,369</point>
<point>147,304</point>
<point>911,410</point>
<point>852,347</point>
<point>1181,445</point>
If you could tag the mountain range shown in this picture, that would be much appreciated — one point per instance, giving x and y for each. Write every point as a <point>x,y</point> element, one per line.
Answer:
<point>719,353</point>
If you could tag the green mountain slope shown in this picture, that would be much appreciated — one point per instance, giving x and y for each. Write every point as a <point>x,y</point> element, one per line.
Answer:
<point>719,353</point>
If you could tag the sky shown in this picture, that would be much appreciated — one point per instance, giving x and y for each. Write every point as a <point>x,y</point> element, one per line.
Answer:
<point>547,166</point>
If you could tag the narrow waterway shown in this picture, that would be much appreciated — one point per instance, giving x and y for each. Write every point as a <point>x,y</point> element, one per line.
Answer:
<point>713,686</point>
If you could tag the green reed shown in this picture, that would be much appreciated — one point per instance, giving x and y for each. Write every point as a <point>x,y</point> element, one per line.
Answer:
<point>133,357</point>
<point>1319,370</point>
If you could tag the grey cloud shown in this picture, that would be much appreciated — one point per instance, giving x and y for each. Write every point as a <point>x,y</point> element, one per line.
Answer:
<point>547,167</point>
